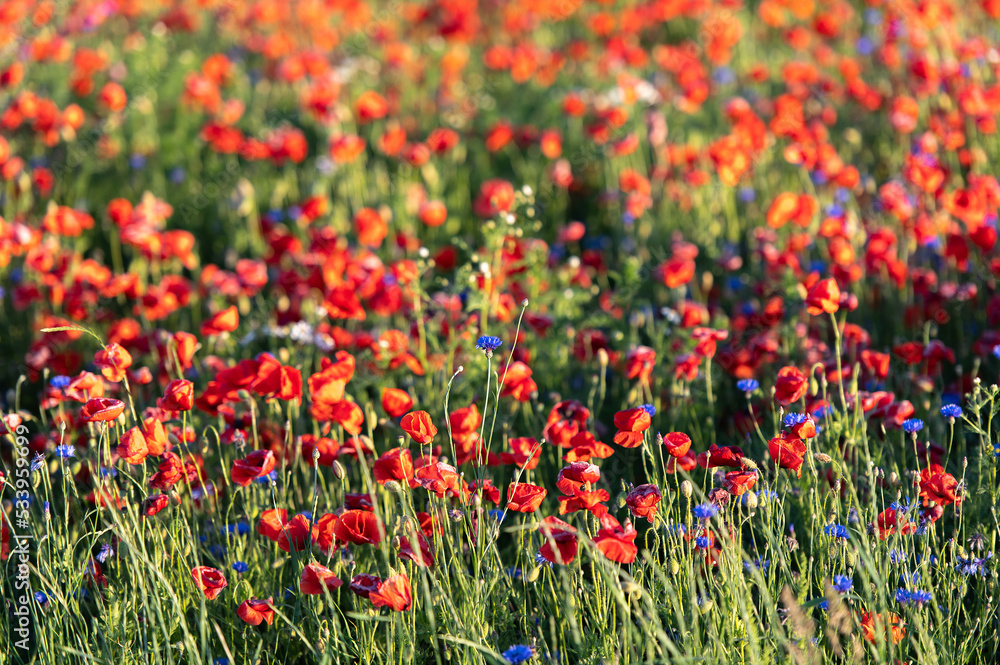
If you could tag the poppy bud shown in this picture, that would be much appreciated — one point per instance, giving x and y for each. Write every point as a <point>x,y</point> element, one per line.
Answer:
<point>602,357</point>
<point>534,573</point>
<point>822,458</point>
<point>338,470</point>
<point>674,567</point>
<point>687,489</point>
<point>751,501</point>
<point>393,486</point>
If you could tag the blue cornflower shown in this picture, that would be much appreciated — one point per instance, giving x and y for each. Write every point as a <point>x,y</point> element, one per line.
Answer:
<point>264,480</point>
<point>65,451</point>
<point>996,351</point>
<point>793,419</point>
<point>488,344</point>
<point>106,552</point>
<point>824,411</point>
<point>238,529</point>
<point>951,411</point>
<point>514,573</point>
<point>843,583</point>
<point>896,556</point>
<point>747,385</point>
<point>916,597</point>
<point>60,382</point>
<point>701,542</point>
<point>912,578</point>
<point>37,462</point>
<point>703,511</point>
<point>913,425</point>
<point>519,653</point>
<point>497,515</point>
<point>220,661</point>
<point>747,194</point>
<point>241,566</point>
<point>973,565</point>
<point>648,408</point>
<point>542,561</point>
<point>42,599</point>
<point>676,529</point>
<point>758,563</point>
<point>903,506</point>
<point>837,531</point>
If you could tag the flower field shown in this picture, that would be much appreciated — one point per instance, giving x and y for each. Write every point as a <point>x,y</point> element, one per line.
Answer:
<point>482,331</point>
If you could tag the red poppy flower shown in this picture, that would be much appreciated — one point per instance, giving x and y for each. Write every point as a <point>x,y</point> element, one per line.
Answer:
<point>132,446</point>
<point>577,474</point>
<point>677,444</point>
<point>790,385</point>
<point>364,585</point>
<point>395,464</point>
<point>437,477</point>
<point>315,578</point>
<point>359,527</point>
<point>938,486</point>
<point>419,426</point>
<point>890,520</point>
<point>156,437</point>
<point>677,272</point>
<point>525,498</point>
<point>616,541</point>
<point>209,580</point>
<point>422,554</point>
<point>225,321</point>
<point>631,423</point>
<point>328,450</point>
<point>525,453</point>
<point>644,500</point>
<point>589,500</point>
<point>789,207</point>
<point>256,464</point>
<point>154,504</point>
<point>369,227</point>
<point>721,456</point>
<point>490,491</point>
<point>788,453</point>
<point>178,396</point>
<point>393,593</point>
<point>584,447</point>
<point>741,481</point>
<point>911,352</point>
<point>295,535</point>
<point>396,402</point>
<point>255,611</point>
<point>433,213</point>
<point>891,626</point>
<point>559,541</point>
<point>113,360</point>
<point>639,363</point>
<point>824,296</point>
<point>271,523</point>
<point>102,409</point>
